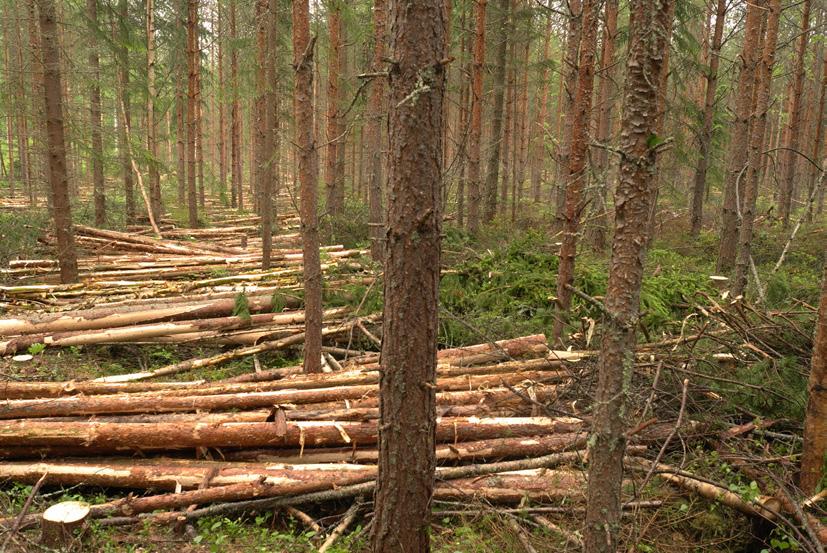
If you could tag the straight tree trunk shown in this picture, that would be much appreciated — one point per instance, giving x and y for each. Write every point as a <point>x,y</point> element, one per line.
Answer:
<point>237,187</point>
<point>373,129</point>
<point>705,137</point>
<point>568,86</point>
<point>181,135</point>
<point>508,131</point>
<point>740,130</point>
<point>125,119</point>
<point>756,149</point>
<point>151,142</point>
<point>649,29</point>
<point>335,142</point>
<point>192,109</point>
<point>39,155</point>
<point>95,115</point>
<point>23,152</point>
<point>538,144</point>
<point>818,141</point>
<point>521,137</point>
<point>303,47</point>
<point>493,170</point>
<point>407,386</point>
<point>52,87</point>
<point>815,419</point>
<point>263,144</point>
<point>475,133</point>
<point>793,132</point>
<point>199,132</point>
<point>222,105</point>
<point>580,122</point>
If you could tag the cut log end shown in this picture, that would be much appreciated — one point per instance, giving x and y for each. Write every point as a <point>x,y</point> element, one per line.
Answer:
<point>61,524</point>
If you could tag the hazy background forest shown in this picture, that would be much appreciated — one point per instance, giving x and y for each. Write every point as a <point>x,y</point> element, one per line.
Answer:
<point>231,216</point>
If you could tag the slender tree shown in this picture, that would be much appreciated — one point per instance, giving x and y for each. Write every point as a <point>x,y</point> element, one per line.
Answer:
<point>493,170</point>
<point>648,29</point>
<point>538,144</point>
<point>334,172</point>
<point>151,142</point>
<point>407,385</point>
<point>580,120</point>
<point>121,32</point>
<point>308,175</point>
<point>95,114</point>
<point>565,107</point>
<point>475,132</point>
<point>192,109</point>
<point>236,185</point>
<point>373,133</point>
<point>705,135</point>
<point>58,180</point>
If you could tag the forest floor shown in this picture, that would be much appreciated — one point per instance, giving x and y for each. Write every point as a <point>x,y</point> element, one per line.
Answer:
<point>498,286</point>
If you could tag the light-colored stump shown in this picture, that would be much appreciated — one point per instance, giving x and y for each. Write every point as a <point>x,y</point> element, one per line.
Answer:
<point>60,523</point>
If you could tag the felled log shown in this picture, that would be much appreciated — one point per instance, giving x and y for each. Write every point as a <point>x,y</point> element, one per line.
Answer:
<point>180,435</point>
<point>169,246</point>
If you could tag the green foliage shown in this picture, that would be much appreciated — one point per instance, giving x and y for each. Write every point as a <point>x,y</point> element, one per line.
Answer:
<point>19,230</point>
<point>241,308</point>
<point>36,348</point>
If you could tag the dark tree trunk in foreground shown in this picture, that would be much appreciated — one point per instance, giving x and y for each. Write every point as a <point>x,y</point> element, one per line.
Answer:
<point>493,171</point>
<point>192,109</point>
<point>475,132</point>
<point>308,177</point>
<point>580,119</point>
<point>407,398</point>
<point>61,209</point>
<point>737,151</point>
<point>95,114</point>
<point>649,26</point>
<point>815,420</point>
<point>756,149</point>
<point>373,133</point>
<point>705,137</point>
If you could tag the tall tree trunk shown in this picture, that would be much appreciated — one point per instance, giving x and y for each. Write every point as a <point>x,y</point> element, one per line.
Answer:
<point>508,131</point>
<point>308,169</point>
<point>192,109</point>
<point>818,141</point>
<point>476,120</point>
<point>649,29</point>
<point>521,136</point>
<point>580,120</point>
<point>237,194</point>
<point>61,208</point>
<point>222,104</point>
<point>267,120</point>
<point>258,116</point>
<point>151,142</point>
<point>199,134</point>
<point>374,141</point>
<point>705,136</point>
<point>407,393</point>
<point>10,118</point>
<point>493,170</point>
<point>181,140</point>
<point>124,114</point>
<point>335,142</point>
<point>22,109</point>
<point>95,114</point>
<point>737,151</point>
<point>568,86</point>
<point>793,131</point>
<point>815,419</point>
<point>538,144</point>
<point>756,149</point>
<point>38,152</point>
<point>605,103</point>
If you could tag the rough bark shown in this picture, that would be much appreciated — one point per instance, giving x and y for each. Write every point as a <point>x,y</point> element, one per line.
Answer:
<point>538,144</point>
<point>95,114</point>
<point>264,145</point>
<point>763,90</point>
<point>580,122</point>
<point>475,130</point>
<point>649,24</point>
<point>705,136</point>
<point>407,407</point>
<point>493,170</point>
<point>565,111</point>
<point>373,134</point>
<point>334,177</point>
<point>815,420</point>
<point>125,119</point>
<point>303,47</point>
<point>817,143</point>
<point>193,61</point>
<point>58,177</point>
<point>151,142</point>
<point>740,130</point>
<point>793,131</point>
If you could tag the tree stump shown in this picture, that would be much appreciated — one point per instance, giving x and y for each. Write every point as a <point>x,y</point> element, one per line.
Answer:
<point>60,522</point>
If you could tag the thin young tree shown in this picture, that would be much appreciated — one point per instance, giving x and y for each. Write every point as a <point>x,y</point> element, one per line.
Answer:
<point>58,179</point>
<point>475,131</point>
<point>121,32</point>
<point>493,171</point>
<point>373,133</point>
<point>236,185</point>
<point>635,194</point>
<point>151,142</point>
<point>95,114</point>
<point>565,105</point>
<point>334,176</point>
<point>192,109</point>
<point>305,141</point>
<point>580,121</point>
<point>407,386</point>
<point>705,136</point>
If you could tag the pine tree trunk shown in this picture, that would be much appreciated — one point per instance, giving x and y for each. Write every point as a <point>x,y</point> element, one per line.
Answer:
<point>705,138</point>
<point>565,112</point>
<point>222,105</point>
<point>408,404</point>
<point>756,149</point>
<point>38,153</point>
<point>815,419</point>
<point>740,129</point>
<point>121,33</point>
<point>52,87</point>
<point>303,47</point>
<point>95,115</point>
<point>236,185</point>
<point>151,142</point>
<point>793,133</point>
<point>493,170</point>
<point>375,111</point>
<point>475,135</point>
<point>192,109</point>
<point>648,29</point>
<point>818,141</point>
<point>335,142</point>
<point>538,144</point>
<point>580,121</point>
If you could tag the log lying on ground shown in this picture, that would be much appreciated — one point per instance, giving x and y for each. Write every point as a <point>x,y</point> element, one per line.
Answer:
<point>155,402</point>
<point>168,246</point>
<point>116,436</point>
